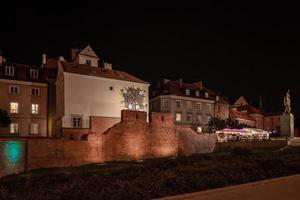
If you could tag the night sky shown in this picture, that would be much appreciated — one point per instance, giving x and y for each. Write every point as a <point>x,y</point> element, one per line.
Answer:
<point>235,48</point>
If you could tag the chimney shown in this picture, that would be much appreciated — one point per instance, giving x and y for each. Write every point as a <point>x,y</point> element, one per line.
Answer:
<point>180,82</point>
<point>74,53</point>
<point>61,58</point>
<point>44,60</point>
<point>107,65</point>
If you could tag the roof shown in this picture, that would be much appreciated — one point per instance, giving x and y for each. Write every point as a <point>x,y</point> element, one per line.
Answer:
<point>99,72</point>
<point>22,72</point>
<point>241,115</point>
<point>250,109</point>
<point>179,88</point>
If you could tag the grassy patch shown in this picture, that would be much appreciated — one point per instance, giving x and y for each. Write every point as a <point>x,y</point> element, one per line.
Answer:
<point>152,178</point>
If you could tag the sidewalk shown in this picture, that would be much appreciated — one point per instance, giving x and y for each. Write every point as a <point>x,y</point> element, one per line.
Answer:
<point>273,189</point>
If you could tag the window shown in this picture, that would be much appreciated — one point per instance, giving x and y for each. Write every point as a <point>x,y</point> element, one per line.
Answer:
<point>35,91</point>
<point>14,107</point>
<point>166,103</point>
<point>88,62</point>
<point>208,118</point>
<point>76,121</point>
<point>217,98</point>
<point>206,95</point>
<point>111,88</point>
<point>199,129</point>
<point>34,128</point>
<point>14,89</point>
<point>34,108</point>
<point>178,117</point>
<point>178,104</point>
<point>34,73</point>
<point>197,93</point>
<point>9,71</point>
<point>187,92</point>
<point>14,128</point>
<point>208,107</point>
<point>198,106</point>
<point>199,118</point>
<point>189,105</point>
<point>188,118</point>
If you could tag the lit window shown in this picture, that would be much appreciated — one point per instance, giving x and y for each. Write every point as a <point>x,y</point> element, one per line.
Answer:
<point>14,107</point>
<point>14,89</point>
<point>197,93</point>
<point>188,118</point>
<point>9,71</point>
<point>14,128</point>
<point>35,91</point>
<point>198,106</point>
<point>189,105</point>
<point>206,95</point>
<point>178,103</point>
<point>199,129</point>
<point>208,107</point>
<point>34,128</point>
<point>34,108</point>
<point>187,92</point>
<point>34,73</point>
<point>178,117</point>
<point>76,121</point>
<point>88,62</point>
<point>217,98</point>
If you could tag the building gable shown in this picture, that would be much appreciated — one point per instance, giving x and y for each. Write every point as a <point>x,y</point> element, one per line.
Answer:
<point>241,101</point>
<point>88,51</point>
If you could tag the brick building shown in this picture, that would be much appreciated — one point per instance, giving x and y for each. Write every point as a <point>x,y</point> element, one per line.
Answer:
<point>248,114</point>
<point>23,91</point>
<point>191,104</point>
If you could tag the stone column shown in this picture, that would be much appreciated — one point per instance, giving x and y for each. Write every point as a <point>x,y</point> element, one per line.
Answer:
<point>287,125</point>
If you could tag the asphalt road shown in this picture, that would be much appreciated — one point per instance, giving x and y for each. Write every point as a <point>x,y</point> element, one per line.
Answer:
<point>284,188</point>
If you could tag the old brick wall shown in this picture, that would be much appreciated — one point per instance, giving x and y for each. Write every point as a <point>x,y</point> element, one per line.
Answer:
<point>45,153</point>
<point>12,157</point>
<point>131,139</point>
<point>101,124</point>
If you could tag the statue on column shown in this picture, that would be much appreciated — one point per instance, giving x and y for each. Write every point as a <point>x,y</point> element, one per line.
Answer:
<point>287,103</point>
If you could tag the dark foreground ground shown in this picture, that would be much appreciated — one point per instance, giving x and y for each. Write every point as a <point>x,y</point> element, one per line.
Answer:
<point>152,178</point>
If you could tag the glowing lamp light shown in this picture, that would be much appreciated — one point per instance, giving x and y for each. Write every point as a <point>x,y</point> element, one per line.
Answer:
<point>13,151</point>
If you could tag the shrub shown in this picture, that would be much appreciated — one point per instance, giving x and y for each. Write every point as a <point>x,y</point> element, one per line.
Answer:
<point>4,118</point>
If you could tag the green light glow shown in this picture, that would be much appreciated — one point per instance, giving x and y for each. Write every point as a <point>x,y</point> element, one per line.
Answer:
<point>13,151</point>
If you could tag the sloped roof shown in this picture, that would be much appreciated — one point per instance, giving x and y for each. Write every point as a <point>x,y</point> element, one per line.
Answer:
<point>99,72</point>
<point>174,88</point>
<point>237,114</point>
<point>249,109</point>
<point>22,72</point>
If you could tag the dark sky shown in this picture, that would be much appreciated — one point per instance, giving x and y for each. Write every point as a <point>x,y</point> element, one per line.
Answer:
<point>235,48</point>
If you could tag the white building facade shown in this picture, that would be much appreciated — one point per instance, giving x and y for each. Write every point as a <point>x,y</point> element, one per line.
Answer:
<point>85,89</point>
